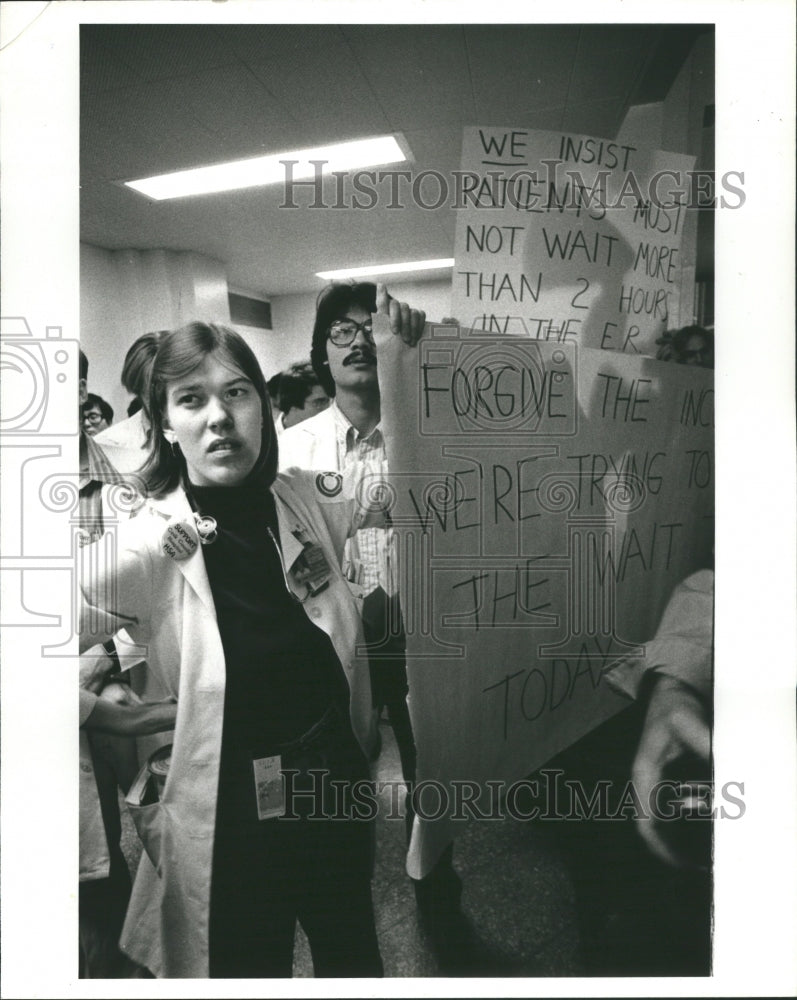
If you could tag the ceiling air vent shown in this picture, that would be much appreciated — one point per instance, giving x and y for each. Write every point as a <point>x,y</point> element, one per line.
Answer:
<point>249,312</point>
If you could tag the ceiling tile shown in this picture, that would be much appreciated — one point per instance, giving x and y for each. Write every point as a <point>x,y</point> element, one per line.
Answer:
<point>101,66</point>
<point>310,69</point>
<point>600,118</point>
<point>282,44</point>
<point>419,73</point>
<point>229,102</point>
<point>435,148</point>
<point>604,39</point>
<point>133,132</point>
<point>157,51</point>
<point>517,68</point>
<point>615,77</point>
<point>334,92</point>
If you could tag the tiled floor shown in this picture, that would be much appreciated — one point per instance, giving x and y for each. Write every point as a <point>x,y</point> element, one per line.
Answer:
<point>516,895</point>
<point>539,899</point>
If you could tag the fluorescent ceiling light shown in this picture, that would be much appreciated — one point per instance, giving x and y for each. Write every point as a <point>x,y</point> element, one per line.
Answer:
<point>412,265</point>
<point>261,170</point>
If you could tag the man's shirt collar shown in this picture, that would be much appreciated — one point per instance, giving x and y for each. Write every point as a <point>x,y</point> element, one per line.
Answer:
<point>348,433</point>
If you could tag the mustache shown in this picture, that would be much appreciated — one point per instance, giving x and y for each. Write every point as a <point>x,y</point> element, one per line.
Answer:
<point>360,355</point>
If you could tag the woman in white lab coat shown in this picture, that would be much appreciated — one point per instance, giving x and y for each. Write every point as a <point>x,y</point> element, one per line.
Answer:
<point>230,575</point>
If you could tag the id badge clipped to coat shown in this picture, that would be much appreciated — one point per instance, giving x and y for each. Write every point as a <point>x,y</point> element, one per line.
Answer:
<point>269,789</point>
<point>311,568</point>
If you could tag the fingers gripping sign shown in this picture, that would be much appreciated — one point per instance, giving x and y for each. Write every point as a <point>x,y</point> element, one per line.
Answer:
<point>405,322</point>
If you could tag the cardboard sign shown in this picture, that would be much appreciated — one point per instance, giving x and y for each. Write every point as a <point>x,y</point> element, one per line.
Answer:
<point>548,504</point>
<point>570,238</point>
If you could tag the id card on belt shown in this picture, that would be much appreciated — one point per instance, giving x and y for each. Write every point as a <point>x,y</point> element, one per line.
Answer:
<point>269,791</point>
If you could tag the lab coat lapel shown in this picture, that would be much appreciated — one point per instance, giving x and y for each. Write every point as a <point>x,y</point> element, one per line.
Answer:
<point>175,506</point>
<point>288,523</point>
<point>320,441</point>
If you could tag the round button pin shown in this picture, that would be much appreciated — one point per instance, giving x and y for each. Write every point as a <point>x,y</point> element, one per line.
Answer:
<point>329,484</point>
<point>179,540</point>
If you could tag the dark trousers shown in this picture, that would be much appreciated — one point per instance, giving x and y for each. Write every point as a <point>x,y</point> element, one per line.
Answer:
<point>313,871</point>
<point>314,868</point>
<point>440,891</point>
<point>387,662</point>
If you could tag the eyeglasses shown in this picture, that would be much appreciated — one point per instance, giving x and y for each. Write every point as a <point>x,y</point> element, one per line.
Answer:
<point>344,331</point>
<point>92,418</point>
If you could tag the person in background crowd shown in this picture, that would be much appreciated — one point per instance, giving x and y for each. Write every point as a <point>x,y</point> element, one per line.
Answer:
<point>301,395</point>
<point>95,415</point>
<point>108,709</point>
<point>273,389</point>
<point>674,682</point>
<point>642,882</point>
<point>347,438</point>
<point>691,345</point>
<point>231,575</point>
<point>126,442</point>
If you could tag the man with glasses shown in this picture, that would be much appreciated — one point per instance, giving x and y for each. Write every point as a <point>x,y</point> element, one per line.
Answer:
<point>347,437</point>
<point>96,415</point>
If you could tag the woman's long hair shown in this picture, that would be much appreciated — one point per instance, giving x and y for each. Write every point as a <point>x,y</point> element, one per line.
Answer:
<point>179,353</point>
<point>136,372</point>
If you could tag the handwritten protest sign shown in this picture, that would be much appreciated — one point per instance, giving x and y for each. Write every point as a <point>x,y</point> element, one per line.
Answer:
<point>548,499</point>
<point>569,238</point>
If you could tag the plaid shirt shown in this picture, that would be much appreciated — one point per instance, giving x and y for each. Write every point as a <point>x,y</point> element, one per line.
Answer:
<point>95,470</point>
<point>369,558</point>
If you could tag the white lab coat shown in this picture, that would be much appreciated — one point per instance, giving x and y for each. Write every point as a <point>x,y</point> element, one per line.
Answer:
<point>311,444</point>
<point>167,605</point>
<point>125,443</point>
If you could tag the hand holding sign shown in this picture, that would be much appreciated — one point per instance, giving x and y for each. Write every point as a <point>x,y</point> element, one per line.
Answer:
<point>405,322</point>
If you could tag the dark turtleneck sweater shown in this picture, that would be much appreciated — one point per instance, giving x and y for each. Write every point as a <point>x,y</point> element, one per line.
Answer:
<point>282,672</point>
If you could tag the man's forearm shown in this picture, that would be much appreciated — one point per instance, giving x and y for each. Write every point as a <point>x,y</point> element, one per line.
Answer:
<point>132,720</point>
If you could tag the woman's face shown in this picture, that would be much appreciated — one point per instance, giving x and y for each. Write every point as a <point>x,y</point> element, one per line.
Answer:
<point>215,415</point>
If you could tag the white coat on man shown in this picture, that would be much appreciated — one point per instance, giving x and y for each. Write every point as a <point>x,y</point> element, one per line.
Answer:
<point>312,444</point>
